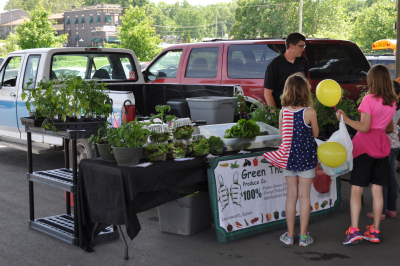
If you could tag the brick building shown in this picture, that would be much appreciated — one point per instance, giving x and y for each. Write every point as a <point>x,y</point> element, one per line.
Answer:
<point>91,25</point>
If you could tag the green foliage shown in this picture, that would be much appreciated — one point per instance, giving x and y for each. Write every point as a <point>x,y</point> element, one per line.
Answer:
<point>215,142</point>
<point>199,147</point>
<point>375,23</point>
<point>156,152</point>
<point>177,150</point>
<point>123,3</point>
<point>130,135</point>
<point>266,114</point>
<point>103,136</point>
<point>241,106</point>
<point>10,46</point>
<point>137,35</point>
<point>162,109</point>
<point>159,137</point>
<point>183,132</point>
<point>55,6</point>
<point>37,32</point>
<point>66,97</point>
<point>246,129</point>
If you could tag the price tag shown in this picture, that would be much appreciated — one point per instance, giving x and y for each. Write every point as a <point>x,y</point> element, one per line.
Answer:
<point>132,75</point>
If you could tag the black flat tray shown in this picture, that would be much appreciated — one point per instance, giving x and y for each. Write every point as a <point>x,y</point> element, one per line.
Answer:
<point>93,124</point>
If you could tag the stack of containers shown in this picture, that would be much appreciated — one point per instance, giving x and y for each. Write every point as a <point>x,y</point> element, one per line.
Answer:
<point>159,135</point>
<point>182,130</point>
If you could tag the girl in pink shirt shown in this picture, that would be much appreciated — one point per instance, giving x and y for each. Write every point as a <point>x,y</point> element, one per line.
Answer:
<point>371,149</point>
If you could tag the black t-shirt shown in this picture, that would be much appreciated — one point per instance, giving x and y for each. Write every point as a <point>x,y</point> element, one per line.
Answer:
<point>279,70</point>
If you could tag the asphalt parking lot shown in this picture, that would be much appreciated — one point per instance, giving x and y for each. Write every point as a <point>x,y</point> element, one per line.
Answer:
<point>23,246</point>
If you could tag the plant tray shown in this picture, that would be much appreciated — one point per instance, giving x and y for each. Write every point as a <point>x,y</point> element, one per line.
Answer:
<point>63,126</point>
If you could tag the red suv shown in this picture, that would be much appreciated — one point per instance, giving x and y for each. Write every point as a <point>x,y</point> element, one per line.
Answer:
<point>244,62</point>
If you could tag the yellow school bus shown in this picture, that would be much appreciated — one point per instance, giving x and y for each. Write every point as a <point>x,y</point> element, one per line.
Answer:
<point>387,44</point>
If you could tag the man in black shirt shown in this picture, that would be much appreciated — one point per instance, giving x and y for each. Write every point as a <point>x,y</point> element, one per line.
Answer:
<point>281,67</point>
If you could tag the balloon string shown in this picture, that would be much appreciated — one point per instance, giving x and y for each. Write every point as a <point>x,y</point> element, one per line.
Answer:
<point>335,108</point>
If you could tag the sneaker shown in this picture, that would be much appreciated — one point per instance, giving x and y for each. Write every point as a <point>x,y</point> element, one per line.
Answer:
<point>288,240</point>
<point>305,241</point>
<point>371,236</point>
<point>352,238</point>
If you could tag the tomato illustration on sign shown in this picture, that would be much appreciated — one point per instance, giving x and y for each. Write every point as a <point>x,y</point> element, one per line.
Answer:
<point>322,182</point>
<point>255,161</point>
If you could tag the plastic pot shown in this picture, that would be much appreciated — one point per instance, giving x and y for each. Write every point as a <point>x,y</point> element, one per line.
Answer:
<point>105,153</point>
<point>127,156</point>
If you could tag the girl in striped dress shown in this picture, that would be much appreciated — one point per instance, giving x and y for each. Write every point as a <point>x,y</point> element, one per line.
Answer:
<point>297,155</point>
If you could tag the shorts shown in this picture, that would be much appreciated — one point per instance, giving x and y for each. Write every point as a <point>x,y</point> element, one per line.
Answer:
<point>368,170</point>
<point>306,174</point>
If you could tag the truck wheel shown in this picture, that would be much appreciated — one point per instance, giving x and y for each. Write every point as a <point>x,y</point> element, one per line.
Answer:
<point>83,150</point>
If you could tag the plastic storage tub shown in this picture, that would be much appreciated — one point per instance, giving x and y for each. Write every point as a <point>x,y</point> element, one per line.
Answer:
<point>213,109</point>
<point>187,215</point>
<point>179,108</point>
<point>232,144</point>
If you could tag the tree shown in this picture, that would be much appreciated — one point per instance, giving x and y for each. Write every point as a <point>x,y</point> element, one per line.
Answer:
<point>124,3</point>
<point>55,6</point>
<point>136,34</point>
<point>36,32</point>
<point>375,23</point>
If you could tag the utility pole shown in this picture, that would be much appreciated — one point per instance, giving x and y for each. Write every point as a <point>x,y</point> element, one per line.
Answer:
<point>216,26</point>
<point>11,18</point>
<point>301,16</point>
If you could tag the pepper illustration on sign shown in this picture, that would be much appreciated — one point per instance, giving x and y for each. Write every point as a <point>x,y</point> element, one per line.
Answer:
<point>246,222</point>
<point>268,216</point>
<point>316,205</point>
<point>276,215</point>
<point>322,182</point>
<point>223,193</point>
<point>238,225</point>
<point>254,220</point>
<point>236,190</point>
<point>255,161</point>
<point>229,227</point>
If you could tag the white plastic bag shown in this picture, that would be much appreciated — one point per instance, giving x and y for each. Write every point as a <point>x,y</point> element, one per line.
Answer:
<point>343,137</point>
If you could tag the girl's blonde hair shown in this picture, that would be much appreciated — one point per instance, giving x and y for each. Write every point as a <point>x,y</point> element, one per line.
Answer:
<point>380,83</point>
<point>296,91</point>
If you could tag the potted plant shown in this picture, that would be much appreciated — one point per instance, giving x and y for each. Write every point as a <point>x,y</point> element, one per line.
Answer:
<point>176,150</point>
<point>161,110</point>
<point>182,129</point>
<point>241,108</point>
<point>159,133</point>
<point>266,114</point>
<point>127,142</point>
<point>216,145</point>
<point>156,152</point>
<point>101,140</point>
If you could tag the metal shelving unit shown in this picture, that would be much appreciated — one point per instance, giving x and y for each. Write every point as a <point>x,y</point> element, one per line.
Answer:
<point>61,226</point>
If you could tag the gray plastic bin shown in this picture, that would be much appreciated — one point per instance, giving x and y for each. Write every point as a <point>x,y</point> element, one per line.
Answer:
<point>213,109</point>
<point>187,215</point>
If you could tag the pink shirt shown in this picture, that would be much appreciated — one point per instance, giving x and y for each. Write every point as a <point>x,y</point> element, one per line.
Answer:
<point>375,142</point>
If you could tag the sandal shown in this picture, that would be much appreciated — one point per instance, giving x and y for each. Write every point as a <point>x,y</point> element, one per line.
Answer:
<point>392,214</point>
<point>371,215</point>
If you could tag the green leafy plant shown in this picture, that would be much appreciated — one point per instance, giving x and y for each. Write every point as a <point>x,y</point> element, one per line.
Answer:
<point>130,135</point>
<point>156,152</point>
<point>176,150</point>
<point>199,147</point>
<point>159,137</point>
<point>266,114</point>
<point>183,132</point>
<point>216,145</point>
<point>246,129</point>
<point>162,109</point>
<point>241,106</point>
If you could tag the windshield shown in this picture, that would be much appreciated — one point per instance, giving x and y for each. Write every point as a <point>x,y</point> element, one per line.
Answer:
<point>342,62</point>
<point>105,66</point>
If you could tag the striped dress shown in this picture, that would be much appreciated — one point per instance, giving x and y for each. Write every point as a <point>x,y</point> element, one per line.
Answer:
<point>298,150</point>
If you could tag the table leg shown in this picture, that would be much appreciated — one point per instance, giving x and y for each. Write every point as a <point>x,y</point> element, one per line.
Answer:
<point>30,171</point>
<point>126,257</point>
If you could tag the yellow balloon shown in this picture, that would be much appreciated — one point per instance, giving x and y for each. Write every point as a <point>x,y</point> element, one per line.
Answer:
<point>332,154</point>
<point>329,92</point>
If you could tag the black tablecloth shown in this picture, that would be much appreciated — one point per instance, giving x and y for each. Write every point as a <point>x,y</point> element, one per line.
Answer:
<point>111,194</point>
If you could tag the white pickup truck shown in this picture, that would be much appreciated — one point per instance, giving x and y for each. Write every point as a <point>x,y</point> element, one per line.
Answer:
<point>119,68</point>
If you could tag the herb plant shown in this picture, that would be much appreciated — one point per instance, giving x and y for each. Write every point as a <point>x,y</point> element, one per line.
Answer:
<point>199,147</point>
<point>176,150</point>
<point>159,137</point>
<point>183,132</point>
<point>266,114</point>
<point>246,129</point>
<point>162,109</point>
<point>155,152</point>
<point>130,135</point>
<point>216,145</point>
<point>241,106</point>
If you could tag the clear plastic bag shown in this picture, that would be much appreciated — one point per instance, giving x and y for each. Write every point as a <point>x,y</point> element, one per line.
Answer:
<point>342,136</point>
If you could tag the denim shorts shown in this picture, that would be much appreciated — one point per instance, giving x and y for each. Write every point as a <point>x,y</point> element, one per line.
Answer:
<point>306,174</point>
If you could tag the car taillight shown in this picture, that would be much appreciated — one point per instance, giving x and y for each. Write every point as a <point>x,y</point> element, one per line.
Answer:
<point>128,112</point>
